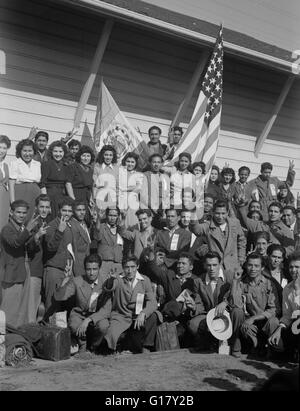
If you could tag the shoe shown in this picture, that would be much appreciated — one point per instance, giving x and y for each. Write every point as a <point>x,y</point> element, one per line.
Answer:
<point>236,354</point>
<point>146,350</point>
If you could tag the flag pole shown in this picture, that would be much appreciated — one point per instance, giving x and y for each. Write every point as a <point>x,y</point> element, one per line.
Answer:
<point>86,91</point>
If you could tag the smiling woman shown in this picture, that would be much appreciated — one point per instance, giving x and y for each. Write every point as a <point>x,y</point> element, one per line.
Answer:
<point>25,175</point>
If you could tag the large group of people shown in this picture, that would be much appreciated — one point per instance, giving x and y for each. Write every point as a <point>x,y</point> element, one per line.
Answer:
<point>122,249</point>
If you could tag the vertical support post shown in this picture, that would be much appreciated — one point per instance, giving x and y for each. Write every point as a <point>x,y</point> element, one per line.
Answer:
<point>93,71</point>
<point>264,135</point>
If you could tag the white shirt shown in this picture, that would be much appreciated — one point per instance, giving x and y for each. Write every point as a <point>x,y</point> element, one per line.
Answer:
<point>2,167</point>
<point>25,173</point>
<point>223,227</point>
<point>213,283</point>
<point>293,226</point>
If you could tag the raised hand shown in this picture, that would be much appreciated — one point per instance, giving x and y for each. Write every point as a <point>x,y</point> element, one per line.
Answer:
<point>291,165</point>
<point>62,224</point>
<point>42,231</point>
<point>32,223</point>
<point>226,165</point>
<point>237,273</point>
<point>68,268</point>
<point>32,133</point>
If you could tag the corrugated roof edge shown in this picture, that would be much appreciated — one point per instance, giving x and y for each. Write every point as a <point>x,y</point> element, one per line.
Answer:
<point>196,30</point>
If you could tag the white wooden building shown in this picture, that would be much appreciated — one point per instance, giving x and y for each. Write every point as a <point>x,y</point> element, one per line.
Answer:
<point>47,48</point>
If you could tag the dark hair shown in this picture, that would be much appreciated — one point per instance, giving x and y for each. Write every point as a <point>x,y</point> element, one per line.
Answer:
<point>23,143</point>
<point>57,143</point>
<point>77,203</point>
<point>66,201</point>
<point>262,234</point>
<point>155,155</point>
<point>185,254</point>
<point>213,254</point>
<point>228,170</point>
<point>5,140</point>
<point>100,157</point>
<point>42,197</point>
<point>214,167</point>
<point>250,214</point>
<point>295,256</point>
<point>289,199</point>
<point>112,208</point>
<point>210,196</point>
<point>199,164</point>
<point>188,156</point>
<point>73,143</point>
<point>19,203</point>
<point>275,204</point>
<point>266,166</point>
<point>289,207</point>
<point>177,128</point>
<point>276,247</point>
<point>154,128</point>
<point>244,168</point>
<point>131,155</point>
<point>41,133</point>
<point>130,258</point>
<point>173,209</point>
<point>92,258</point>
<point>255,256</point>
<point>254,201</point>
<point>144,211</point>
<point>83,150</point>
<point>221,203</point>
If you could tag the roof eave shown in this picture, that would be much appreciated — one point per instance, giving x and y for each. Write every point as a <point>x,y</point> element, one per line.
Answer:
<point>130,16</point>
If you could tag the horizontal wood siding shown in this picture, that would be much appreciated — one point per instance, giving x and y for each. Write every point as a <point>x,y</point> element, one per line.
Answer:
<point>49,50</point>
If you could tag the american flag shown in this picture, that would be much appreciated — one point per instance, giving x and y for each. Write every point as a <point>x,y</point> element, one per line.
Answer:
<point>202,135</point>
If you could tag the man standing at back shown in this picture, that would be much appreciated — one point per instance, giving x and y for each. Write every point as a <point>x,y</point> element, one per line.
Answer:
<point>224,235</point>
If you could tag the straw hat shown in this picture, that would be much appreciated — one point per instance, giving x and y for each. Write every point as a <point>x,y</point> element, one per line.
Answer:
<point>220,327</point>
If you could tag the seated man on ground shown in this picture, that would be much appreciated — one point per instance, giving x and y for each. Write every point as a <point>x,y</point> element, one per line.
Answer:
<point>284,337</point>
<point>86,322</point>
<point>253,307</point>
<point>133,310</point>
<point>175,284</point>
<point>210,290</point>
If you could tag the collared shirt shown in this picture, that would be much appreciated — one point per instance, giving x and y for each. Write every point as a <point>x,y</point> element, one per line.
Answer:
<point>259,296</point>
<point>290,303</point>
<point>132,283</point>
<point>223,228</point>
<point>113,230</point>
<point>183,278</point>
<point>25,173</point>
<point>104,166</point>
<point>292,226</point>
<point>171,230</point>
<point>94,296</point>
<point>213,283</point>
<point>2,167</point>
<point>84,226</point>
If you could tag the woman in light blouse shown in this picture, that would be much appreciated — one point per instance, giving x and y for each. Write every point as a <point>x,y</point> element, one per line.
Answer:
<point>25,175</point>
<point>4,179</point>
<point>130,183</point>
<point>106,178</point>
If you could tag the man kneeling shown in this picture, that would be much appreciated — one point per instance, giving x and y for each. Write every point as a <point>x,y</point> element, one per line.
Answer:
<point>133,309</point>
<point>86,323</point>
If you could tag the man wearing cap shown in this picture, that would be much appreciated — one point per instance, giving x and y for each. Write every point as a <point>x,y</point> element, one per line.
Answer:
<point>253,305</point>
<point>287,332</point>
<point>210,290</point>
<point>267,185</point>
<point>41,140</point>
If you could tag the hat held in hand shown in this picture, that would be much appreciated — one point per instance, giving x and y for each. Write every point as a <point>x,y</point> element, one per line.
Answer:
<point>220,327</point>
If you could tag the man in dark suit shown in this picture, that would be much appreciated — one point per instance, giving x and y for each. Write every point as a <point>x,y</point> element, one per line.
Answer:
<point>173,238</point>
<point>82,240</point>
<point>87,323</point>
<point>14,269</point>
<point>174,283</point>
<point>210,290</point>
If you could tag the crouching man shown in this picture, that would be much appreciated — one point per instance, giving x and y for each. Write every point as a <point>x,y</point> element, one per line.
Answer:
<point>254,310</point>
<point>287,334</point>
<point>211,290</point>
<point>133,309</point>
<point>87,323</point>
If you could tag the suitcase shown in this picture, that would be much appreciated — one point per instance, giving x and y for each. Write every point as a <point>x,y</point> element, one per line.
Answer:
<point>166,337</point>
<point>55,343</point>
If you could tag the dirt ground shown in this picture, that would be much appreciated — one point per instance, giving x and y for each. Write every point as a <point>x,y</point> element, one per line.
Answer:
<point>178,370</point>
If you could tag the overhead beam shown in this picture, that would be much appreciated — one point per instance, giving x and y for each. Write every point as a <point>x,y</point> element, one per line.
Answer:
<point>191,88</point>
<point>86,91</point>
<point>264,135</point>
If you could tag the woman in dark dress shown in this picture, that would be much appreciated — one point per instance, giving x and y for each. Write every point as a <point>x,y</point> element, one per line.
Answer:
<point>80,183</point>
<point>55,175</point>
<point>213,185</point>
